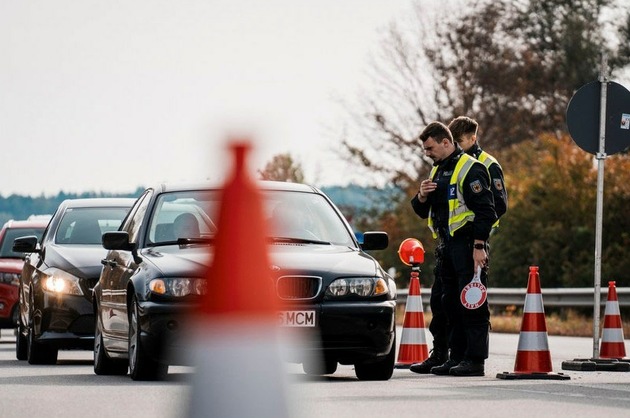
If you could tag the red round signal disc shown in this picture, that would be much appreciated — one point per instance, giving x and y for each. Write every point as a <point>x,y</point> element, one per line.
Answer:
<point>473,295</point>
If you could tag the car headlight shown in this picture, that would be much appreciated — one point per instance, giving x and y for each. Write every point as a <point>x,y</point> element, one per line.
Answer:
<point>10,278</point>
<point>360,286</point>
<point>61,282</point>
<point>178,286</point>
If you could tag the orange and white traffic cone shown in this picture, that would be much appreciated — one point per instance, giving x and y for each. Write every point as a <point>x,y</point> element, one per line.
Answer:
<point>413,344</point>
<point>239,371</point>
<point>612,345</point>
<point>533,358</point>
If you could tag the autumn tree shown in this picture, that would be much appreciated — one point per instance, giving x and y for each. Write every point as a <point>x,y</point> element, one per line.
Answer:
<point>282,167</point>
<point>512,65</point>
<point>551,221</point>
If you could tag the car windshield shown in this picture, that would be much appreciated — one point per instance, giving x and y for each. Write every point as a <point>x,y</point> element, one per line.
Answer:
<point>6,249</point>
<point>291,216</point>
<point>87,225</point>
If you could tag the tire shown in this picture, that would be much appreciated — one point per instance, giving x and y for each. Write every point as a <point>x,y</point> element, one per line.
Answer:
<point>15,314</point>
<point>320,366</point>
<point>378,370</point>
<point>141,366</point>
<point>38,353</point>
<point>21,348</point>
<point>103,365</point>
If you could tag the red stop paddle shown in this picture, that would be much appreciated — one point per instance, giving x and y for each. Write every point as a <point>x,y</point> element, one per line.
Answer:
<point>475,293</point>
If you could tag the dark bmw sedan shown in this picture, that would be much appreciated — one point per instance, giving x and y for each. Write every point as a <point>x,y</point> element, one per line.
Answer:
<point>155,271</point>
<point>58,275</point>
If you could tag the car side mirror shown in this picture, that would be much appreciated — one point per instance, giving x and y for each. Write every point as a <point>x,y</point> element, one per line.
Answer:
<point>117,240</point>
<point>375,240</point>
<point>26,244</point>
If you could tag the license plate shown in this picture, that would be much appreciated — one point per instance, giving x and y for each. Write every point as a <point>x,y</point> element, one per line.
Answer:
<point>297,318</point>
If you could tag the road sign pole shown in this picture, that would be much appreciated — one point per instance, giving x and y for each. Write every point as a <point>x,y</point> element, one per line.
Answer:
<point>601,159</point>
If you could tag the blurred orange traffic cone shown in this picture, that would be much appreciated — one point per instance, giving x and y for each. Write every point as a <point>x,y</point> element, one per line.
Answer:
<point>239,371</point>
<point>413,344</point>
<point>612,345</point>
<point>533,358</point>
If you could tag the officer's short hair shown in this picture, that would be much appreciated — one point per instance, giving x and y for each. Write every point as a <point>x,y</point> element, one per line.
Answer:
<point>463,125</point>
<point>437,131</point>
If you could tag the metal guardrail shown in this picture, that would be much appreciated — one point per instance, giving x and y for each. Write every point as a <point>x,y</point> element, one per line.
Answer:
<point>574,297</point>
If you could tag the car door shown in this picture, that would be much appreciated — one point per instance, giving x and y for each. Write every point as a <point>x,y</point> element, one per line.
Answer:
<point>119,267</point>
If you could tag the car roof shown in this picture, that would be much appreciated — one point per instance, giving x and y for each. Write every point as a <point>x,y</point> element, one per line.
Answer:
<point>36,223</point>
<point>96,202</point>
<point>262,184</point>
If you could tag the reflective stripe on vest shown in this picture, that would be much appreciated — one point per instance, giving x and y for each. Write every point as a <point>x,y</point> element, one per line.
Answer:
<point>487,160</point>
<point>458,212</point>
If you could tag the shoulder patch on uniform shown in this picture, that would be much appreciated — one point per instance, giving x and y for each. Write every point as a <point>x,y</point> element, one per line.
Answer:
<point>498,184</point>
<point>476,186</point>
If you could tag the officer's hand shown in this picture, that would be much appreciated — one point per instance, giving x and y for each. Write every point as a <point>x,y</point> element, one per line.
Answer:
<point>426,187</point>
<point>481,258</point>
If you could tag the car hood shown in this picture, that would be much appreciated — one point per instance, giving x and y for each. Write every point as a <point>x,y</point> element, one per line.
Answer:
<point>11,265</point>
<point>323,260</point>
<point>78,260</point>
<point>171,260</point>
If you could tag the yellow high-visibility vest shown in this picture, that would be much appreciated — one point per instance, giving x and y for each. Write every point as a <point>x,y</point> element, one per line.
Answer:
<point>487,160</point>
<point>458,212</point>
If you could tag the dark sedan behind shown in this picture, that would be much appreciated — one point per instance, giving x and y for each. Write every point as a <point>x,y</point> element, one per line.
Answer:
<point>58,275</point>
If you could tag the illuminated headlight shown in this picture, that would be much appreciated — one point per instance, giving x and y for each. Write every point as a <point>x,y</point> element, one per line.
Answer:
<point>61,282</point>
<point>10,278</point>
<point>178,286</point>
<point>360,286</point>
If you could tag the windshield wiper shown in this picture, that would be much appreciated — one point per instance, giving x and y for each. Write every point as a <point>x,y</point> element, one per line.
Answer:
<point>298,240</point>
<point>182,241</point>
<point>188,241</point>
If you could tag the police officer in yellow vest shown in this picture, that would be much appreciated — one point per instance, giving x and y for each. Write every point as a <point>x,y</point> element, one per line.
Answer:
<point>459,206</point>
<point>464,130</point>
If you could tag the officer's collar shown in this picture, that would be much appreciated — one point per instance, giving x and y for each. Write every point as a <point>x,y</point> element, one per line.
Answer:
<point>453,157</point>
<point>475,150</point>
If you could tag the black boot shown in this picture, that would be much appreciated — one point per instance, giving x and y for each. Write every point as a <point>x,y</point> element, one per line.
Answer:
<point>444,369</point>
<point>468,368</point>
<point>436,358</point>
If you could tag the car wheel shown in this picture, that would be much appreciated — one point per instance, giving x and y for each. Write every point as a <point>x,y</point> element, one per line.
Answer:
<point>103,365</point>
<point>378,370</point>
<point>37,353</point>
<point>14,315</point>
<point>319,366</point>
<point>21,348</point>
<point>141,366</point>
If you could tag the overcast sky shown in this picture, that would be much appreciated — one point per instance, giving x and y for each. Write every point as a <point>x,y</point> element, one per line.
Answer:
<point>112,95</point>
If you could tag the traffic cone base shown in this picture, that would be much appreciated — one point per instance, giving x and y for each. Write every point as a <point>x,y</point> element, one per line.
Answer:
<point>533,358</point>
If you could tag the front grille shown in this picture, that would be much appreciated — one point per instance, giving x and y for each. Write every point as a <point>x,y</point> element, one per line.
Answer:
<point>298,287</point>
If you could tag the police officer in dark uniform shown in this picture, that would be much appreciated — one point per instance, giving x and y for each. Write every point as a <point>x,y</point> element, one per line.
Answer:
<point>464,131</point>
<point>459,206</point>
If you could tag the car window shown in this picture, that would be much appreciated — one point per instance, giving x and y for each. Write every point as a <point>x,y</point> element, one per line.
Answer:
<point>305,216</point>
<point>187,214</point>
<point>312,216</point>
<point>87,225</point>
<point>136,216</point>
<point>10,234</point>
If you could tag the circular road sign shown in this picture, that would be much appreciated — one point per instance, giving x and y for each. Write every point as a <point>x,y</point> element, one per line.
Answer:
<point>583,118</point>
